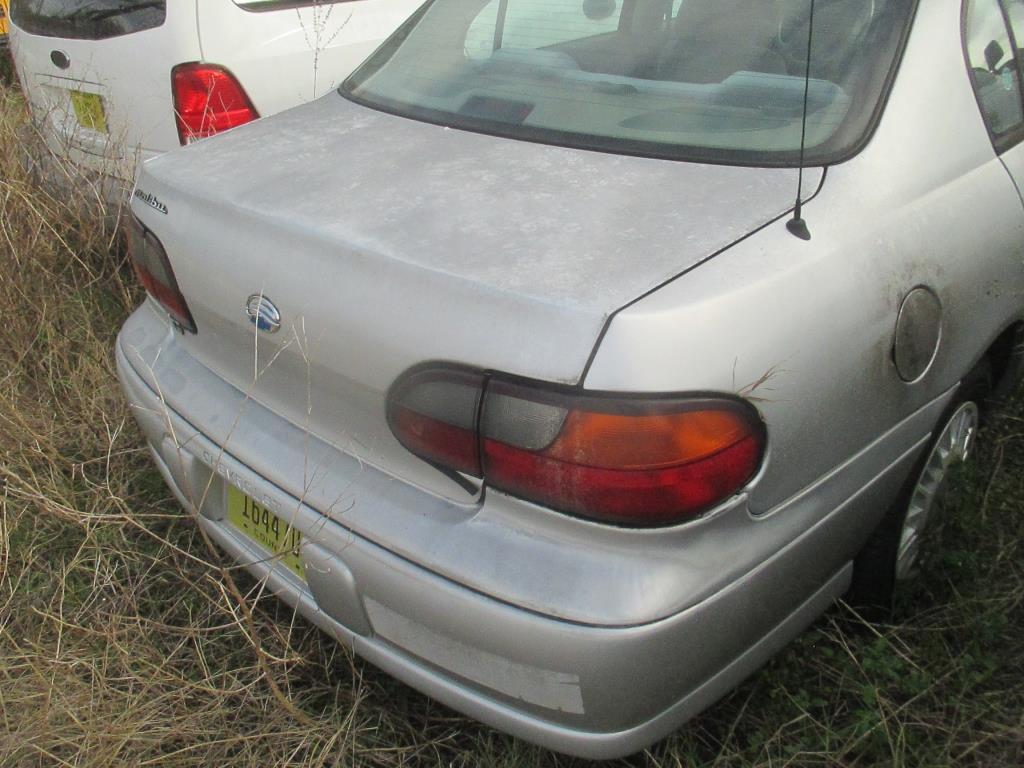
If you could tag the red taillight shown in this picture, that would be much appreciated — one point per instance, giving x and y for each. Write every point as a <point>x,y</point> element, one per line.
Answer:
<point>154,272</point>
<point>620,459</point>
<point>207,100</point>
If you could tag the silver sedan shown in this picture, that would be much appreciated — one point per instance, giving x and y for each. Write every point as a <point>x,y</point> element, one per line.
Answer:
<point>577,354</point>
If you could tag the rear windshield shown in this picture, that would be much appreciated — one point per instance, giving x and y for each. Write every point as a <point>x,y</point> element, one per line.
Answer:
<point>87,19</point>
<point>712,80</point>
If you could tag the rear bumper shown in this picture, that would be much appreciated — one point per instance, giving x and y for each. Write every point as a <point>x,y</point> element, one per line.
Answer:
<point>592,691</point>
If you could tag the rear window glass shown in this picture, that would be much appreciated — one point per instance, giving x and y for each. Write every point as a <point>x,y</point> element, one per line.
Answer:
<point>87,19</point>
<point>716,80</point>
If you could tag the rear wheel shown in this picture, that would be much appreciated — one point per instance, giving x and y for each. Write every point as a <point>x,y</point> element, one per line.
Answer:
<point>893,553</point>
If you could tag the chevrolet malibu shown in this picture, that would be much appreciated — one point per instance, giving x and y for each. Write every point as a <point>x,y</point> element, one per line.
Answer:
<point>575,355</point>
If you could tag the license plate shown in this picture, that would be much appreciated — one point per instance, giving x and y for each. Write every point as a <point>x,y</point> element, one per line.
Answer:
<point>266,529</point>
<point>89,111</point>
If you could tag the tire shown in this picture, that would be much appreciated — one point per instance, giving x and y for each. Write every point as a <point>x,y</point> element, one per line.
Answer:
<point>892,553</point>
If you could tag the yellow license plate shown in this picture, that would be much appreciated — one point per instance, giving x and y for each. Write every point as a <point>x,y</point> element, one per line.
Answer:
<point>89,111</point>
<point>266,529</point>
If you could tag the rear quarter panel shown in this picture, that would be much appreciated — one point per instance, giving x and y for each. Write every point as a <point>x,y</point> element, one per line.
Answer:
<point>806,329</point>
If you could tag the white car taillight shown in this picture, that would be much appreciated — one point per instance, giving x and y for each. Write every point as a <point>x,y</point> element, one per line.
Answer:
<point>207,100</point>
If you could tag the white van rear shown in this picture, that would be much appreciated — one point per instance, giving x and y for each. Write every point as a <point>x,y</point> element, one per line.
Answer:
<point>113,82</point>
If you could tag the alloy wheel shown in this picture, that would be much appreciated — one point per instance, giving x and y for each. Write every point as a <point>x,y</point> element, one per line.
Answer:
<point>955,445</point>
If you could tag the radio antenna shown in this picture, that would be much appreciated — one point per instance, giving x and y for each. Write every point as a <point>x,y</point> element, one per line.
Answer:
<point>797,226</point>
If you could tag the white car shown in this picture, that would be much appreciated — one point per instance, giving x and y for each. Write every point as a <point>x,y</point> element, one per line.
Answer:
<point>115,82</point>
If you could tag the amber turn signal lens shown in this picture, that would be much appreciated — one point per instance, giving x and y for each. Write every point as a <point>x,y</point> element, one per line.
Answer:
<point>618,441</point>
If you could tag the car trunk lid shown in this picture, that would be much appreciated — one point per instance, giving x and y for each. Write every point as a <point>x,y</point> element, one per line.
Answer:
<point>386,243</point>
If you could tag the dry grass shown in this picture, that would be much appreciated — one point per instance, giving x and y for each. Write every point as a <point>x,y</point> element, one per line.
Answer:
<point>121,645</point>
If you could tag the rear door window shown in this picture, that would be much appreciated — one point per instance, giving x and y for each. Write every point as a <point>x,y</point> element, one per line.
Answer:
<point>87,19</point>
<point>995,71</point>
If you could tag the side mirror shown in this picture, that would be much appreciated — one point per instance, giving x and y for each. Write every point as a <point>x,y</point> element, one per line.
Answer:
<point>994,53</point>
<point>598,10</point>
